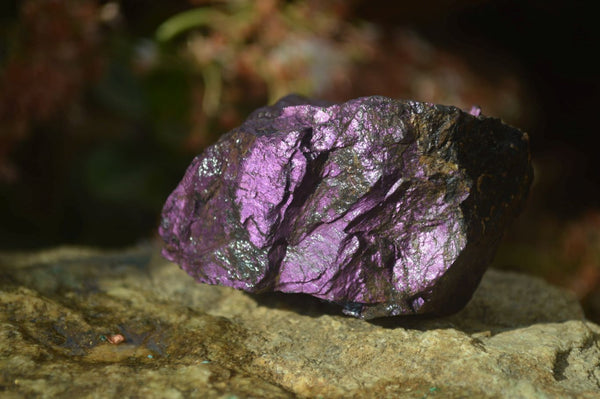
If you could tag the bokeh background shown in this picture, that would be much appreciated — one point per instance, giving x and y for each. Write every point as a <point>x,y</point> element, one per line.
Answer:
<point>103,104</point>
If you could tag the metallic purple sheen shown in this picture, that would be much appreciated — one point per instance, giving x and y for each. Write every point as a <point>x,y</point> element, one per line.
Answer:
<point>386,207</point>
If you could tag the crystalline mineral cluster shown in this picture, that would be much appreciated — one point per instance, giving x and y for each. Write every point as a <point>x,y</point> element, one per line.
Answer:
<point>386,207</point>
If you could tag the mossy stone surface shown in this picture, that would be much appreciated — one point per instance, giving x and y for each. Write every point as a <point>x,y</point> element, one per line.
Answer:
<point>183,339</point>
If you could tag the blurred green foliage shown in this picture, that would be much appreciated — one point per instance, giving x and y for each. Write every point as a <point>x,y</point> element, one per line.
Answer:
<point>104,103</point>
<point>90,146</point>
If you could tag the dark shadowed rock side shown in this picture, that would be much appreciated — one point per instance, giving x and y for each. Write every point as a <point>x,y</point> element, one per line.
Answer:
<point>384,206</point>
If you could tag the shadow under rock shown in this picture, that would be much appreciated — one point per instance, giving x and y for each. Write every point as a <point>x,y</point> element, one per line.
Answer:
<point>503,301</point>
<point>302,304</point>
<point>307,305</point>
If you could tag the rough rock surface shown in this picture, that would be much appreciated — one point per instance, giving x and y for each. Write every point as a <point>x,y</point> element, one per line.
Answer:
<point>517,338</point>
<point>388,207</point>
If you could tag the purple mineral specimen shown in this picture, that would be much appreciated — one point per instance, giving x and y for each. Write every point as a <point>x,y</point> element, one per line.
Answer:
<point>386,207</point>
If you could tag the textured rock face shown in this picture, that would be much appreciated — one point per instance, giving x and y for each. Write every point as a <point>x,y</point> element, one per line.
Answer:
<point>517,338</point>
<point>387,207</point>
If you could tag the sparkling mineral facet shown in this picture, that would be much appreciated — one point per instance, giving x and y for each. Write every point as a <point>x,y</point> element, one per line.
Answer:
<point>386,207</point>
